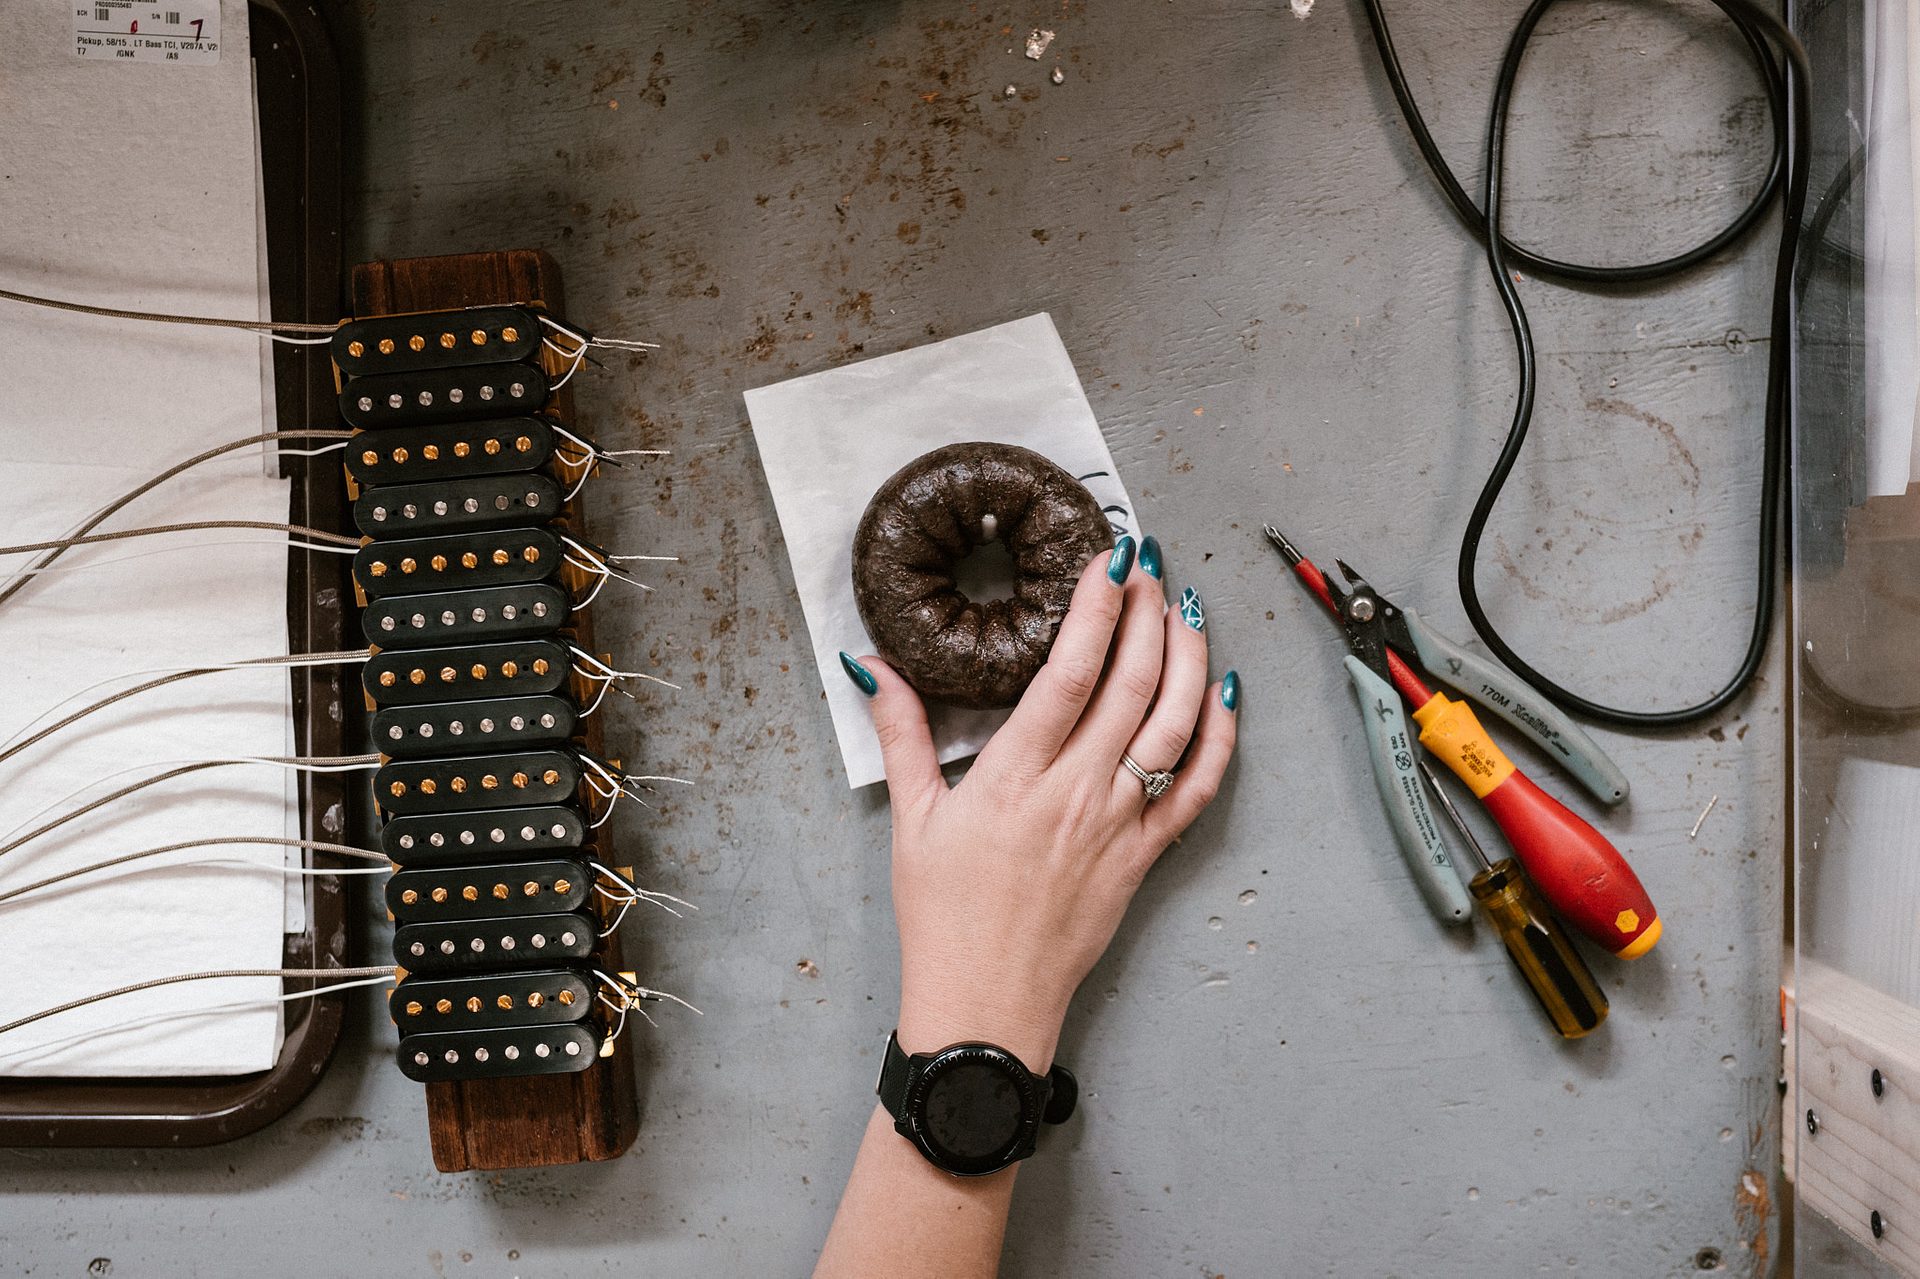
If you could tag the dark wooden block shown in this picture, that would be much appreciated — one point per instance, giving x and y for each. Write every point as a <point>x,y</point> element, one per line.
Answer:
<point>541,1120</point>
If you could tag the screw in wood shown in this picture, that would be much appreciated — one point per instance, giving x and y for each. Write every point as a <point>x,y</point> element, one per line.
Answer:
<point>1879,1084</point>
<point>1879,1226</point>
<point>1813,1123</point>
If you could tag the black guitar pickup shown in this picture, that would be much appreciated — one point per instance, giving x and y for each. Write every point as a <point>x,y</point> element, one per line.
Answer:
<point>458,839</point>
<point>474,944</point>
<point>457,506</point>
<point>382,400</point>
<point>409,677</point>
<point>442,618</point>
<point>504,446</point>
<point>467,782</point>
<point>421,895</point>
<point>495,1054</point>
<point>459,561</point>
<point>491,724</point>
<point>491,1001</point>
<point>436,340</point>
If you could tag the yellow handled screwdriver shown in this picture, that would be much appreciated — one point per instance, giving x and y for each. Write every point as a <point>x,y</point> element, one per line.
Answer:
<point>1558,977</point>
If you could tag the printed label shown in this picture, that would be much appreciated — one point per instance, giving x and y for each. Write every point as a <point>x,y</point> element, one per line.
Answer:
<point>183,32</point>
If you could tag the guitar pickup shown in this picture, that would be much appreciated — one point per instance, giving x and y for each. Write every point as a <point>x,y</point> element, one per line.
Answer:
<point>441,618</point>
<point>493,1001</point>
<point>382,400</point>
<point>491,724</point>
<point>473,944</point>
<point>428,894</point>
<point>493,1054</point>
<point>507,446</point>
<point>410,677</point>
<point>455,839</point>
<point>477,781</point>
<point>457,506</point>
<point>436,340</point>
<point>502,557</point>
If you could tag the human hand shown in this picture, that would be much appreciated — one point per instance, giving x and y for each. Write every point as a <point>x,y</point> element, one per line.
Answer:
<point>1008,887</point>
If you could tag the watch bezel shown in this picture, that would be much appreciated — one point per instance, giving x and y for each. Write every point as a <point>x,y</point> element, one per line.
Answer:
<point>1025,1138</point>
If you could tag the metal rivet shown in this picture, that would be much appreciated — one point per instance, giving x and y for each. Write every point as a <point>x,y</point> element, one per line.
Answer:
<point>439,508</point>
<point>486,725</point>
<point>513,1053</point>
<point>437,839</point>
<point>573,1048</point>
<point>540,609</point>
<point>456,728</point>
<point>541,1050</point>
<point>478,944</point>
<point>366,403</point>
<point>509,611</point>
<point>506,943</point>
<point>456,395</point>
<point>452,1056</point>
<point>426,730</point>
<point>406,841</point>
<point>526,832</point>
<point>446,947</point>
<point>567,939</point>
<point>517,390</point>
<point>546,721</point>
<point>479,1054</point>
<point>559,831</point>
<point>386,623</point>
<point>421,1059</point>
<point>466,837</point>
<point>426,398</point>
<point>479,614</point>
<point>395,400</point>
<point>417,621</point>
<point>539,940</point>
<point>499,835</point>
<point>396,732</point>
<point>486,393</point>
<point>517,723</point>
<point>500,502</point>
<point>417,949</point>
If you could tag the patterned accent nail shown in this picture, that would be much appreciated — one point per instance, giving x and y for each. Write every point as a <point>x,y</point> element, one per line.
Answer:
<point>1150,557</point>
<point>862,677</point>
<point>1120,563</point>
<point>1191,611</point>
<point>1230,691</point>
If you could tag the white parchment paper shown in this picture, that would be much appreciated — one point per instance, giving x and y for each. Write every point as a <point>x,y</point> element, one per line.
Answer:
<point>828,440</point>
<point>132,184</point>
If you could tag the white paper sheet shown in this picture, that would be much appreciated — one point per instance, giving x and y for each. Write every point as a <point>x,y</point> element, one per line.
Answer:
<point>130,184</point>
<point>828,440</point>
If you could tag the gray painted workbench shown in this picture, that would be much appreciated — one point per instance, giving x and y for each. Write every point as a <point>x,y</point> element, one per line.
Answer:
<point>1290,1069</point>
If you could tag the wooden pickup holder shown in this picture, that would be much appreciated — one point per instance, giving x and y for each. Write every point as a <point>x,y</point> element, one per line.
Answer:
<point>542,1119</point>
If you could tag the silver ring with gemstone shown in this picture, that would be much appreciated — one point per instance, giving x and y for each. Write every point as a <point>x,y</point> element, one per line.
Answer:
<point>1157,784</point>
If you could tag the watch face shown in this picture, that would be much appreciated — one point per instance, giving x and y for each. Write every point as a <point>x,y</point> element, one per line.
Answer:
<point>973,1112</point>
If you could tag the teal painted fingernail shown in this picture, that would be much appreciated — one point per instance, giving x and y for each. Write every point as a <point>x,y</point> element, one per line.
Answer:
<point>1191,611</point>
<point>862,677</point>
<point>1230,691</point>
<point>1120,563</point>
<point>1150,557</point>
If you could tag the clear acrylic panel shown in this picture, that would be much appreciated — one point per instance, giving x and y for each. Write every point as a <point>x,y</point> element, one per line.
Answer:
<point>1855,627</point>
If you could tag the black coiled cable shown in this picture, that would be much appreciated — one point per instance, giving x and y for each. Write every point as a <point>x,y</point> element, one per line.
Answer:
<point>1786,78</point>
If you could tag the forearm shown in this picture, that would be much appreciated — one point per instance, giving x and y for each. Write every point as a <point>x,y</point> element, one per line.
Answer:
<point>901,1216</point>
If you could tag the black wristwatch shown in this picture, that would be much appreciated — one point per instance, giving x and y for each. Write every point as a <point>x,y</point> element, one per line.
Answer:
<point>973,1108</point>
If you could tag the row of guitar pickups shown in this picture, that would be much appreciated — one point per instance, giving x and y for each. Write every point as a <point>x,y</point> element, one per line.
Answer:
<point>467,582</point>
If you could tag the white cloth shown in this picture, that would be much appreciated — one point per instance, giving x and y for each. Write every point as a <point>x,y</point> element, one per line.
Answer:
<point>828,440</point>
<point>133,185</point>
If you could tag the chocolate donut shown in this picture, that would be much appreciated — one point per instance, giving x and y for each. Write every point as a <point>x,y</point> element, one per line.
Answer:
<point>924,520</point>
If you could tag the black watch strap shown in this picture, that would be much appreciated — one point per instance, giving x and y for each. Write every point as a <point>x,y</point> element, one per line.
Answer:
<point>895,1072</point>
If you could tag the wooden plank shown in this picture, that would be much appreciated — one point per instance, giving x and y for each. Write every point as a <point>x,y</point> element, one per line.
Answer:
<point>1862,1155</point>
<point>549,1119</point>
